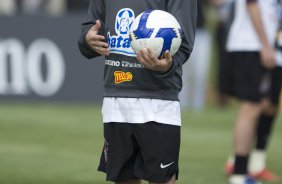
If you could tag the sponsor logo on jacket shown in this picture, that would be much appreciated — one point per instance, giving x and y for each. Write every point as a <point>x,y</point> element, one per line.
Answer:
<point>122,77</point>
<point>120,42</point>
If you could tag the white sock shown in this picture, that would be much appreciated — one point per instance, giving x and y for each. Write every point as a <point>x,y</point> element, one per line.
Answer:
<point>257,161</point>
<point>237,179</point>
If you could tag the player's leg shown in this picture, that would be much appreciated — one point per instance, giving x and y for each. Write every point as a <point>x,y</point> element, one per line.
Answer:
<point>247,79</point>
<point>243,133</point>
<point>257,166</point>
<point>244,127</point>
<point>243,136</point>
<point>257,163</point>
<point>263,131</point>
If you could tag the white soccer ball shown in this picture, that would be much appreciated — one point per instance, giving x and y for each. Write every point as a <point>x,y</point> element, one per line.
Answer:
<point>157,30</point>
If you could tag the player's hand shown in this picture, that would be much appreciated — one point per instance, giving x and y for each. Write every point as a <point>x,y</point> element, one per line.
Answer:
<point>96,41</point>
<point>147,58</point>
<point>267,55</point>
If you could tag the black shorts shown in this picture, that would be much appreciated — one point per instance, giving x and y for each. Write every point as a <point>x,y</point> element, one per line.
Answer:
<point>275,85</point>
<point>244,74</point>
<point>148,151</point>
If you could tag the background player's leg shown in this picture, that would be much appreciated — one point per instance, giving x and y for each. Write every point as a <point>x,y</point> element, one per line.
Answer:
<point>245,126</point>
<point>243,136</point>
<point>265,123</point>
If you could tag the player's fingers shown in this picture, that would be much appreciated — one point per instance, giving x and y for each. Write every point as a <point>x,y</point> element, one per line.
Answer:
<point>140,58</point>
<point>102,44</point>
<point>97,26</point>
<point>152,56</point>
<point>264,60</point>
<point>168,56</point>
<point>93,32</point>
<point>94,41</point>
<point>101,49</point>
<point>95,37</point>
<point>103,53</point>
<point>145,55</point>
<point>97,43</point>
<point>269,61</point>
<point>98,23</point>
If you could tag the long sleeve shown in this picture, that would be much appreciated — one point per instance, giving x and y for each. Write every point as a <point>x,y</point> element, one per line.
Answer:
<point>96,12</point>
<point>185,11</point>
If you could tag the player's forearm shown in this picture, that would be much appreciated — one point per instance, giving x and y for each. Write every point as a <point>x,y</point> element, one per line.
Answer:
<point>255,15</point>
<point>185,11</point>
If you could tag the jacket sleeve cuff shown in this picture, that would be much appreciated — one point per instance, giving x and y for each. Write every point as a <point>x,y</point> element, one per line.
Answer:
<point>176,64</point>
<point>168,73</point>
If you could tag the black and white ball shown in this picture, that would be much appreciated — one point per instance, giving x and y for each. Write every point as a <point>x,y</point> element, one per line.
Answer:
<point>157,30</point>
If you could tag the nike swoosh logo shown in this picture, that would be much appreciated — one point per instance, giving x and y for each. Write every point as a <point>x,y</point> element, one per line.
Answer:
<point>165,166</point>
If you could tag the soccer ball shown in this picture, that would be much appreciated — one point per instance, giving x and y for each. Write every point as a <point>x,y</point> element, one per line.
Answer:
<point>157,30</point>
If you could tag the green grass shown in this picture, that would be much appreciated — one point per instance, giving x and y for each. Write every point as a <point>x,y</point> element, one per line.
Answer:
<point>61,144</point>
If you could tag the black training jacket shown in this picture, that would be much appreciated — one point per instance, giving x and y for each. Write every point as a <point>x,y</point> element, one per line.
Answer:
<point>123,75</point>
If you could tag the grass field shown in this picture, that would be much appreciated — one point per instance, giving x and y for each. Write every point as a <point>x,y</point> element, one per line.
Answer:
<point>61,144</point>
